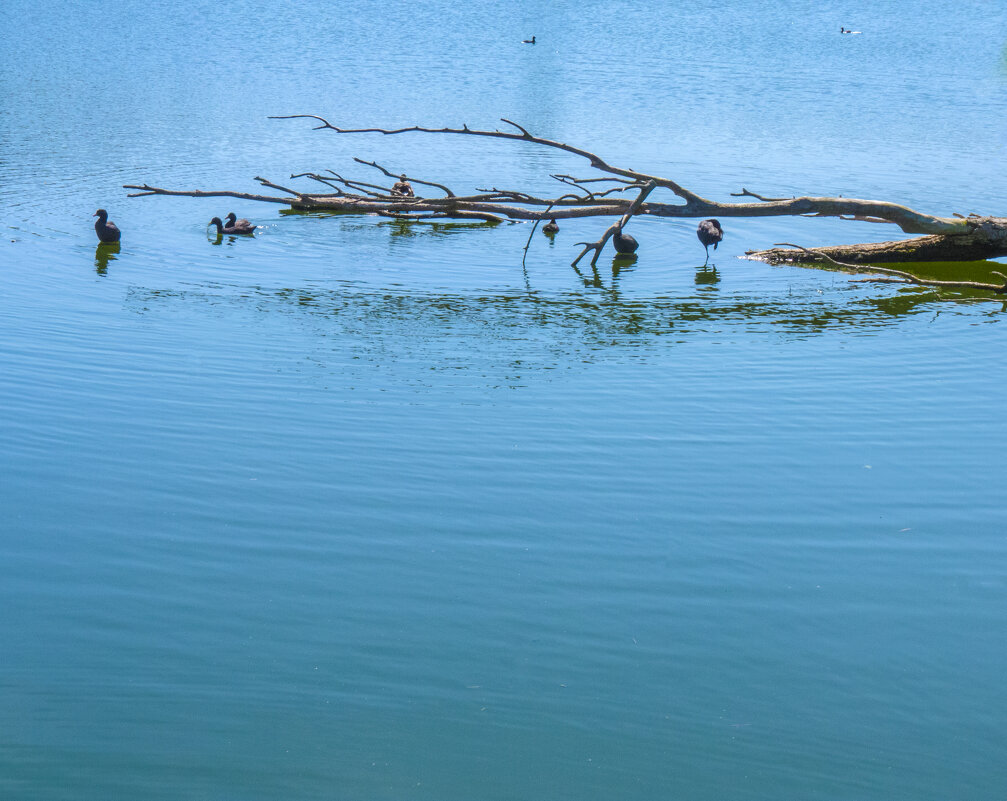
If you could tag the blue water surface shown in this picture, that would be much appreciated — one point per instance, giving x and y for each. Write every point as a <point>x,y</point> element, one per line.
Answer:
<point>369,510</point>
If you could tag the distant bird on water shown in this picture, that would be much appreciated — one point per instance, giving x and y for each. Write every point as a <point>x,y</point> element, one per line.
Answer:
<point>710,233</point>
<point>107,232</point>
<point>403,187</point>
<point>242,226</point>
<point>230,230</point>
<point>550,227</point>
<point>528,41</point>
<point>624,243</point>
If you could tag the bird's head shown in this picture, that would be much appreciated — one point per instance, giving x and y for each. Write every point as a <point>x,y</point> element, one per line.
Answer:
<point>100,213</point>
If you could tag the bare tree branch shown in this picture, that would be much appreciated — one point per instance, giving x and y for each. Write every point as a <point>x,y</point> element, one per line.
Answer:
<point>271,185</point>
<point>861,218</point>
<point>522,130</point>
<point>360,186</point>
<point>745,193</point>
<point>950,238</point>
<point>618,226</point>
<point>624,185</point>
<point>910,221</point>
<point>377,166</point>
<point>320,179</point>
<point>147,189</point>
<point>571,179</point>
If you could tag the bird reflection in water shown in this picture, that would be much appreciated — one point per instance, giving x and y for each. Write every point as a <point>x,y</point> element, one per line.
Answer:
<point>621,262</point>
<point>707,276</point>
<point>103,254</point>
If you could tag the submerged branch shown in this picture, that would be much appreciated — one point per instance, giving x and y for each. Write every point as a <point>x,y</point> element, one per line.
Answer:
<point>617,226</point>
<point>903,276</point>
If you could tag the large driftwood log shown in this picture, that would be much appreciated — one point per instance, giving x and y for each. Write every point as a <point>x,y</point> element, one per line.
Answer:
<point>955,238</point>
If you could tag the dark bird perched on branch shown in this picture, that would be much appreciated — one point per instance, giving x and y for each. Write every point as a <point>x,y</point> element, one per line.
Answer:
<point>528,41</point>
<point>402,187</point>
<point>241,226</point>
<point>107,232</point>
<point>710,233</point>
<point>624,243</point>
<point>550,227</point>
<point>229,230</point>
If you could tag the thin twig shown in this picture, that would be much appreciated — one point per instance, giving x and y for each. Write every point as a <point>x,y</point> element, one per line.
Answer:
<point>527,244</point>
<point>745,193</point>
<point>377,166</point>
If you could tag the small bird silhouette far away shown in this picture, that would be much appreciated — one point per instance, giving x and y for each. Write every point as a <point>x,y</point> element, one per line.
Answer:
<point>402,187</point>
<point>107,232</point>
<point>710,233</point>
<point>528,41</point>
<point>230,230</point>
<point>550,227</point>
<point>243,226</point>
<point>624,243</point>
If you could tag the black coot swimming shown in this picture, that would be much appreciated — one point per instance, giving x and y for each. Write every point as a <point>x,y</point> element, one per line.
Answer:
<point>222,229</point>
<point>550,227</point>
<point>107,232</point>
<point>240,226</point>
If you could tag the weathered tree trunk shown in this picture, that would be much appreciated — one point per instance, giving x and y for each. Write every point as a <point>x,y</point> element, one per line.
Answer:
<point>955,238</point>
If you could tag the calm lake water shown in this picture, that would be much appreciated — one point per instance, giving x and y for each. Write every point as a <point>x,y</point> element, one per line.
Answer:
<point>359,510</point>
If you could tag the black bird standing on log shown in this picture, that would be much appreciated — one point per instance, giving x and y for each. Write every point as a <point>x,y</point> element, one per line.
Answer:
<point>624,243</point>
<point>710,233</point>
<point>241,226</point>
<point>403,187</point>
<point>107,232</point>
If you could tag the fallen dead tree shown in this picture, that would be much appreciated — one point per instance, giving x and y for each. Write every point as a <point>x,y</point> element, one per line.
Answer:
<point>624,193</point>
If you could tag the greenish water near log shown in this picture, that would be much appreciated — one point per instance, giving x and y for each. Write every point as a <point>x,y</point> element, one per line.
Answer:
<point>978,271</point>
<point>360,509</point>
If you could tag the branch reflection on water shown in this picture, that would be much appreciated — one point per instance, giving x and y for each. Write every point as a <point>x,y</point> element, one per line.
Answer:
<point>490,331</point>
